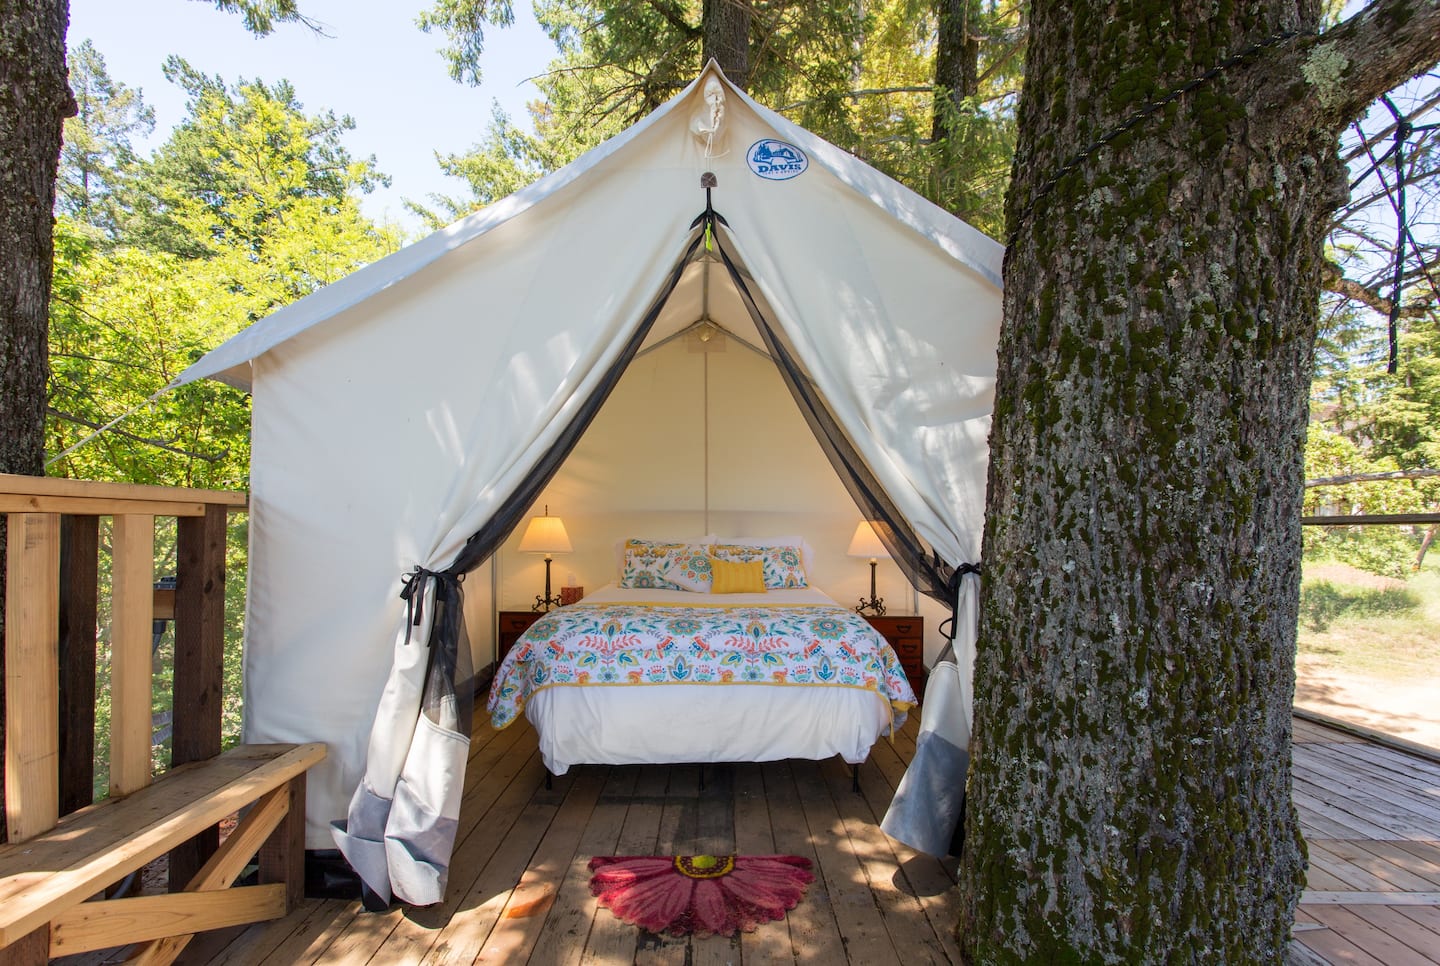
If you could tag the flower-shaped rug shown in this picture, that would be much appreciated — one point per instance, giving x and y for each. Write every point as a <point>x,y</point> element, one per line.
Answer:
<point>702,894</point>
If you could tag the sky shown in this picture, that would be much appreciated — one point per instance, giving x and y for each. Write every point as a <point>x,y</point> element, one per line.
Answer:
<point>374,65</point>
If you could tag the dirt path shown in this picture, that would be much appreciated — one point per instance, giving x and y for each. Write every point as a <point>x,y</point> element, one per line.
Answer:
<point>1409,709</point>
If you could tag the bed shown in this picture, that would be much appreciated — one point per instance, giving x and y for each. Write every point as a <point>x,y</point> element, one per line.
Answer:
<point>644,675</point>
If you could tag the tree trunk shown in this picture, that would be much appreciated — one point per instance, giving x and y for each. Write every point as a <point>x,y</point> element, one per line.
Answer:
<point>1130,779</point>
<point>957,61</point>
<point>725,38</point>
<point>1425,546</point>
<point>34,102</point>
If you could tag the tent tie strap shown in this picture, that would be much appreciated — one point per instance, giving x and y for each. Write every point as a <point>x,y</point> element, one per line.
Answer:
<point>953,595</point>
<point>413,596</point>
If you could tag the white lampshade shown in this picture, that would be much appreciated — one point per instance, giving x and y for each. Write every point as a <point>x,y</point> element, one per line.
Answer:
<point>866,543</point>
<point>545,535</point>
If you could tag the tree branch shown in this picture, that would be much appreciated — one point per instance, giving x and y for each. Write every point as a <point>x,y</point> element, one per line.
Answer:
<point>1371,477</point>
<point>1324,82</point>
<point>158,444</point>
<point>1334,280</point>
<point>675,18</point>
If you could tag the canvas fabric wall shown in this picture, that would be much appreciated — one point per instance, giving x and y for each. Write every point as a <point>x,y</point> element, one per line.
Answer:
<point>394,411</point>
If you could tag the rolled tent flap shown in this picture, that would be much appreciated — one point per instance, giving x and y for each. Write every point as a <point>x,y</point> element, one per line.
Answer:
<point>400,828</point>
<point>929,806</point>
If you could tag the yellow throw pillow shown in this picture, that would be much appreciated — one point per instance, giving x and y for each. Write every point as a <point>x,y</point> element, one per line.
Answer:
<point>731,577</point>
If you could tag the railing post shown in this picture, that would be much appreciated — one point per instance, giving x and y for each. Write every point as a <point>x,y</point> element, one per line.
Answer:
<point>199,664</point>
<point>79,593</point>
<point>32,675</point>
<point>131,613</point>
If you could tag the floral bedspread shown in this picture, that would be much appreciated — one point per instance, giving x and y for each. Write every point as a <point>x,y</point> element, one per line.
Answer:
<point>629,644</point>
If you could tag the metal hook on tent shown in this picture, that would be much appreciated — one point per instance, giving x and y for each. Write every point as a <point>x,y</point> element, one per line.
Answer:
<point>709,217</point>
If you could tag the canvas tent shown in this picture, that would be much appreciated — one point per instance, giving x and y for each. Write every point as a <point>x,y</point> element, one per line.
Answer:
<point>406,417</point>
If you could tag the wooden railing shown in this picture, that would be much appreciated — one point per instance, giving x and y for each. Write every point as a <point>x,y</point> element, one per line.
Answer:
<point>51,603</point>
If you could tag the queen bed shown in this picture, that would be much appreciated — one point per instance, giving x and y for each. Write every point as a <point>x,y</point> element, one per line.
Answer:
<point>647,675</point>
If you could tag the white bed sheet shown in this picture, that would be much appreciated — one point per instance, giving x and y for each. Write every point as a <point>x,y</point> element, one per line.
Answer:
<point>685,723</point>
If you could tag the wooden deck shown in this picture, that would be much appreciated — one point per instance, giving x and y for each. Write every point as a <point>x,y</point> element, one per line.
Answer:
<point>518,885</point>
<point>1371,818</point>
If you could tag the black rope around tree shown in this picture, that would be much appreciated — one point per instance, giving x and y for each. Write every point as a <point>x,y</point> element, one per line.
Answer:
<point>1146,110</point>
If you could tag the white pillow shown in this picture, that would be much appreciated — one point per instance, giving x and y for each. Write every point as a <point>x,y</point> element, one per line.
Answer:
<point>705,540</point>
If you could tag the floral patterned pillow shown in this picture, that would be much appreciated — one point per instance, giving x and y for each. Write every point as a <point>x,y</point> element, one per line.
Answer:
<point>667,566</point>
<point>784,566</point>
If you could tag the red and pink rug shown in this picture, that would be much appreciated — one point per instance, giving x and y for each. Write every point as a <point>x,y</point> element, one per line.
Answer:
<point>702,894</point>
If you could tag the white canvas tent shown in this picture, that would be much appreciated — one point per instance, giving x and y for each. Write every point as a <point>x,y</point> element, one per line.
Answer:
<point>424,400</point>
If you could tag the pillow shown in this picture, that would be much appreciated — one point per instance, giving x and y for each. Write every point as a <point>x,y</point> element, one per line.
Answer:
<point>783,566</point>
<point>736,577</point>
<point>807,555</point>
<point>666,566</point>
<point>622,544</point>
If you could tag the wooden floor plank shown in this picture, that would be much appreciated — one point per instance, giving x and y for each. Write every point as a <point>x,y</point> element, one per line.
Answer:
<point>676,835</point>
<point>1390,864</point>
<point>284,937</point>
<point>1336,949</point>
<point>524,916</point>
<point>861,927</point>
<point>440,933</point>
<point>928,879</point>
<point>1392,922</point>
<point>567,928</point>
<point>1332,856</point>
<point>519,883</point>
<point>770,942</point>
<point>1387,805</point>
<point>462,939</point>
<point>814,932</point>
<point>715,835</point>
<point>1365,935</point>
<point>611,940</point>
<point>912,935</point>
<point>1388,768</point>
<point>1422,773</point>
<point>1322,805</point>
<point>495,801</point>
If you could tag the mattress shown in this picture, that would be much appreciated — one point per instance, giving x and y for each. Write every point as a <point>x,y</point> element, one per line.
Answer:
<point>653,676</point>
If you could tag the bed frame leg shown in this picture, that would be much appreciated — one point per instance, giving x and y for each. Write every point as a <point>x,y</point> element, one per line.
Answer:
<point>702,776</point>
<point>855,778</point>
<point>549,780</point>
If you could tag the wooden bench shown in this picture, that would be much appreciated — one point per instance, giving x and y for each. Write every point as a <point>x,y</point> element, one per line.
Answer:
<point>45,881</point>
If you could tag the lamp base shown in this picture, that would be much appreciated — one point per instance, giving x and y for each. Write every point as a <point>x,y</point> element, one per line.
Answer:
<point>876,604</point>
<point>543,604</point>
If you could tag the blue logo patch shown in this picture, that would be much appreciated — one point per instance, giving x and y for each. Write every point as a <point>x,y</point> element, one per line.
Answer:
<point>776,160</point>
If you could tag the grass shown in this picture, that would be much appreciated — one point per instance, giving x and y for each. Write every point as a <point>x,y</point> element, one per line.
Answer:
<point>1353,622</point>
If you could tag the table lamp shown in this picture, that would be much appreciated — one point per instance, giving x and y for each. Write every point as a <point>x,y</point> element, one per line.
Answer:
<point>545,534</point>
<point>866,543</point>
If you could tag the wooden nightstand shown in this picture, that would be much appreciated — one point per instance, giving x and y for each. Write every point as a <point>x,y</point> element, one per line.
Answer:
<point>513,623</point>
<point>906,635</point>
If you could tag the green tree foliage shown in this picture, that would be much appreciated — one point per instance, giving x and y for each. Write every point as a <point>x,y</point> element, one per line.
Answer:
<point>244,162</point>
<point>97,158</point>
<point>1374,419</point>
<point>262,16</point>
<point>1387,550</point>
<point>250,205</point>
<point>862,76</point>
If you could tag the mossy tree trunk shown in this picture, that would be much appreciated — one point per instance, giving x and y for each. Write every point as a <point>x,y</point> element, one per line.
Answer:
<point>725,36</point>
<point>1130,786</point>
<point>35,99</point>
<point>957,61</point>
